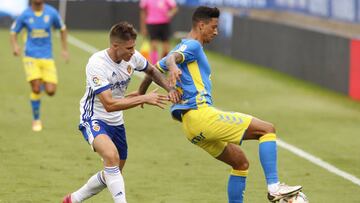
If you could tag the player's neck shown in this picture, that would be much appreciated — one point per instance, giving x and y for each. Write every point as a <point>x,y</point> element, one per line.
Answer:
<point>37,7</point>
<point>193,34</point>
<point>112,56</point>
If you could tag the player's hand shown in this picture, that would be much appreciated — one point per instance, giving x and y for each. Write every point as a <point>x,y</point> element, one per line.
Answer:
<point>156,99</point>
<point>174,96</point>
<point>65,55</point>
<point>16,51</point>
<point>174,75</point>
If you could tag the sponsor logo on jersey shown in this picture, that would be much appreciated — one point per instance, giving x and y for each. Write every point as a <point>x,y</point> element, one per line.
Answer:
<point>96,81</point>
<point>31,20</point>
<point>113,74</point>
<point>121,84</point>
<point>39,33</point>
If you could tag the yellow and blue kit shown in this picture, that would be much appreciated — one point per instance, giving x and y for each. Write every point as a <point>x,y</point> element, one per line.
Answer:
<point>38,60</point>
<point>208,127</point>
<point>195,83</point>
<point>38,26</point>
<point>204,125</point>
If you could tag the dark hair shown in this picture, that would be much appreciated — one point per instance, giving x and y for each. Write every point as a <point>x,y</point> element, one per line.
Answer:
<point>204,13</point>
<point>122,31</point>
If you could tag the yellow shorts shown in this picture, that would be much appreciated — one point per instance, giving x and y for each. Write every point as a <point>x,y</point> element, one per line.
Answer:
<point>212,129</point>
<point>43,69</point>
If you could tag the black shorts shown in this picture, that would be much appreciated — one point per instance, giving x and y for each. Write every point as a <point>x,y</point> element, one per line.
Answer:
<point>159,31</point>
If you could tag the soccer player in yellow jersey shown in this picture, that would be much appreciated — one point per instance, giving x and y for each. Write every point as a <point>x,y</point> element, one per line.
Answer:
<point>219,133</point>
<point>38,20</point>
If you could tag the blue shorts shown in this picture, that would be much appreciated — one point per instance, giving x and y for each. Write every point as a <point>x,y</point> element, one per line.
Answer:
<point>93,128</point>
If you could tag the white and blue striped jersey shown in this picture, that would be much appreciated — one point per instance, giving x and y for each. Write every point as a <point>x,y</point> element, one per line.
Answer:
<point>103,73</point>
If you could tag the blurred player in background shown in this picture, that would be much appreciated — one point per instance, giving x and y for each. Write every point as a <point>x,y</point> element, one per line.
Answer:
<point>155,19</point>
<point>108,74</point>
<point>217,132</point>
<point>38,20</point>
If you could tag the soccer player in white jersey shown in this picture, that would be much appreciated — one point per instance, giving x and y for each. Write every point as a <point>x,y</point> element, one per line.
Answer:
<point>108,74</point>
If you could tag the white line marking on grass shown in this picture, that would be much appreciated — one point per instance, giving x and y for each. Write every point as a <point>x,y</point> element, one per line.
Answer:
<point>82,45</point>
<point>313,159</point>
<point>317,161</point>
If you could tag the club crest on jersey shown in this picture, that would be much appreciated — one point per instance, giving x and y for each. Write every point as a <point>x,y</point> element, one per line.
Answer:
<point>129,69</point>
<point>96,81</point>
<point>46,18</point>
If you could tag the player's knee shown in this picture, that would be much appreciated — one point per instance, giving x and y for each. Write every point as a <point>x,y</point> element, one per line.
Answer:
<point>111,158</point>
<point>243,165</point>
<point>36,90</point>
<point>269,128</point>
<point>50,92</point>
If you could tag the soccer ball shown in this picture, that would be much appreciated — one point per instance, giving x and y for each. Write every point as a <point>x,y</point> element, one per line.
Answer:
<point>298,198</point>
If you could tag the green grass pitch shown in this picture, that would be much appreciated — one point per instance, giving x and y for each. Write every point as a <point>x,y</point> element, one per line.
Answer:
<point>163,167</point>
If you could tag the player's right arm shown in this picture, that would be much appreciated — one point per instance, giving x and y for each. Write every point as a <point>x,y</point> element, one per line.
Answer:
<point>174,72</point>
<point>14,44</point>
<point>15,29</point>
<point>96,78</point>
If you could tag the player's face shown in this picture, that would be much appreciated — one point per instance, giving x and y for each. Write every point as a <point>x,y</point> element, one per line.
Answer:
<point>37,2</point>
<point>125,49</point>
<point>210,30</point>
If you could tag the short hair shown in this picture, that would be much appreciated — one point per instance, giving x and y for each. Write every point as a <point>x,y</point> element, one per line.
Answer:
<point>204,13</point>
<point>122,31</point>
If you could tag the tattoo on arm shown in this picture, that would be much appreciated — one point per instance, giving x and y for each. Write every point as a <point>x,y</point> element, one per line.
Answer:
<point>174,58</point>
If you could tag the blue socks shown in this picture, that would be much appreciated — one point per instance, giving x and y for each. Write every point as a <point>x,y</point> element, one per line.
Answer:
<point>236,186</point>
<point>268,157</point>
<point>35,105</point>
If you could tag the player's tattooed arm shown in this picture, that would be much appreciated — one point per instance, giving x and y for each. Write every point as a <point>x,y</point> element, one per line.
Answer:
<point>174,72</point>
<point>153,74</point>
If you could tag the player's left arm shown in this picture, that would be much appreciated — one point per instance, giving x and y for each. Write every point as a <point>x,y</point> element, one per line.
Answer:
<point>64,52</point>
<point>59,24</point>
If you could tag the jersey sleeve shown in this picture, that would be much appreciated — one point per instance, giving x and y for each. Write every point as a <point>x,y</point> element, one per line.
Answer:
<point>189,50</point>
<point>18,24</point>
<point>140,61</point>
<point>57,21</point>
<point>161,65</point>
<point>96,78</point>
